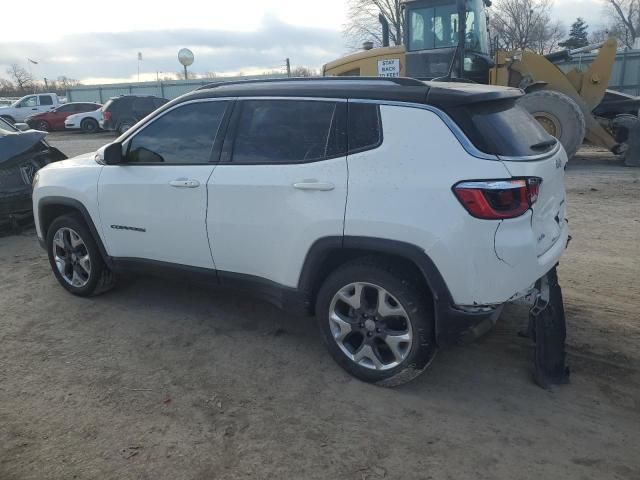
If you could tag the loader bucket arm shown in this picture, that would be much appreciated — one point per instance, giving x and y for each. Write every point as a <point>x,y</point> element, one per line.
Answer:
<point>596,79</point>
<point>593,84</point>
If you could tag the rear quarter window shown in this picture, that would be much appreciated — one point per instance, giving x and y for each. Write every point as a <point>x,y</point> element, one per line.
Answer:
<point>502,128</point>
<point>364,127</point>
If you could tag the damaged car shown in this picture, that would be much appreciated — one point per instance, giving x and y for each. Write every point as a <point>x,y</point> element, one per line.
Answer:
<point>22,154</point>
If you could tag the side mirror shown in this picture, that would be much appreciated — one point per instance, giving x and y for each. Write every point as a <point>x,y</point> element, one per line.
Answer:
<point>112,154</point>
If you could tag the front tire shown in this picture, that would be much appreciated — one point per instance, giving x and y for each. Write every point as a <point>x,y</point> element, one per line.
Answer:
<point>75,258</point>
<point>377,324</point>
<point>89,125</point>
<point>43,126</point>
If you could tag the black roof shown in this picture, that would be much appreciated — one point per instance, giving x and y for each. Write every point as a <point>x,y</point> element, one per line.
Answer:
<point>442,94</point>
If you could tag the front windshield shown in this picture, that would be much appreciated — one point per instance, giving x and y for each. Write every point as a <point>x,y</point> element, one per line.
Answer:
<point>437,27</point>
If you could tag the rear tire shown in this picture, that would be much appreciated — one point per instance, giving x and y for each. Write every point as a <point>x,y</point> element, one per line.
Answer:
<point>75,258</point>
<point>559,115</point>
<point>389,338</point>
<point>89,125</point>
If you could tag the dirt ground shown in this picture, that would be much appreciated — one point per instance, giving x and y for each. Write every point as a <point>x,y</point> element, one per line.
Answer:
<point>158,380</point>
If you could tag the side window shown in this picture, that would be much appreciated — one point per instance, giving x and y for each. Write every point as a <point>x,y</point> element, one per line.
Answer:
<point>364,129</point>
<point>66,108</point>
<point>143,106</point>
<point>31,101</point>
<point>183,135</point>
<point>46,100</point>
<point>286,131</point>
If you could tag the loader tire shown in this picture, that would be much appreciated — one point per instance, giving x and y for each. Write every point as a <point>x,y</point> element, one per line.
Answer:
<point>559,115</point>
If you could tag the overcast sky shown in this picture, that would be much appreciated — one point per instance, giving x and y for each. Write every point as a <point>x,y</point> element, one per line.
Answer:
<point>99,42</point>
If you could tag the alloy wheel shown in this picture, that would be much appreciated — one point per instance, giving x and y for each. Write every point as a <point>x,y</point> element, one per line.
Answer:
<point>71,257</point>
<point>370,326</point>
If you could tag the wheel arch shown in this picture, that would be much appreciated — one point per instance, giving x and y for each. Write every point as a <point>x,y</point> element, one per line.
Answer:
<point>50,208</point>
<point>326,254</point>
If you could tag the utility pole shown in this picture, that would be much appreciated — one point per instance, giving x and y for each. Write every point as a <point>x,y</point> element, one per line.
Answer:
<point>46,84</point>
<point>288,68</point>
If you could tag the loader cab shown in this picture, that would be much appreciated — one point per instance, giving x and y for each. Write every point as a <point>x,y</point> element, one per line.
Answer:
<point>436,31</point>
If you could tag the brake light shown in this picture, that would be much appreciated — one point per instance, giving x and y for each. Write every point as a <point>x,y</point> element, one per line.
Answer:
<point>106,116</point>
<point>498,199</point>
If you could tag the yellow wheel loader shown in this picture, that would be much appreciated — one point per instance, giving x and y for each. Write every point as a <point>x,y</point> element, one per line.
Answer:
<point>447,40</point>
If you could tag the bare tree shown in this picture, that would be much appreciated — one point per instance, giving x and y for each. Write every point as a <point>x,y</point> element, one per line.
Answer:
<point>599,35</point>
<point>304,72</point>
<point>21,78</point>
<point>526,24</point>
<point>547,36</point>
<point>363,24</point>
<point>626,20</point>
<point>65,82</point>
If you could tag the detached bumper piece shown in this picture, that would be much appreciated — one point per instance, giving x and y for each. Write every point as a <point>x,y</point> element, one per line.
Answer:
<point>547,328</point>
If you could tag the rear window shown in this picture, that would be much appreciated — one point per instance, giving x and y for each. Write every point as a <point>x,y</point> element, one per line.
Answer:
<point>107,105</point>
<point>502,128</point>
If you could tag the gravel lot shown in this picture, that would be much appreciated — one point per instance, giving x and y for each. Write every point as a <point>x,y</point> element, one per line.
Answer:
<point>158,380</point>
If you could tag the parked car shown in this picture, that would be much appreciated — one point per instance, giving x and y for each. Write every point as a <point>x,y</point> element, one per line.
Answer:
<point>7,102</point>
<point>121,113</point>
<point>55,119</point>
<point>403,214</point>
<point>88,122</point>
<point>22,154</point>
<point>29,105</point>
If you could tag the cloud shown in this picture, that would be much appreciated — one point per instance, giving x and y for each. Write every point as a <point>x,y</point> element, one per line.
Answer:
<point>114,55</point>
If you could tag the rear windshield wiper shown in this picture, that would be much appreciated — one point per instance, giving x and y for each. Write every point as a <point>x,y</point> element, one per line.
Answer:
<point>544,144</point>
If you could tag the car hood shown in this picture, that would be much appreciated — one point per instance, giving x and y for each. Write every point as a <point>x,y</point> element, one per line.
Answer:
<point>16,143</point>
<point>35,116</point>
<point>84,160</point>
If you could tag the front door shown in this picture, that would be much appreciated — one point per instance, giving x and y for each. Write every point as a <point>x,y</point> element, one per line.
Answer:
<point>281,185</point>
<point>154,205</point>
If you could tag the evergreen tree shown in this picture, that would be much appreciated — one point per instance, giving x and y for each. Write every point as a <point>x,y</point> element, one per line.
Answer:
<point>577,35</point>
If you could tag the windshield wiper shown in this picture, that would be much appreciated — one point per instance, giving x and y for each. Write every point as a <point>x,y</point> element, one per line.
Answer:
<point>544,144</point>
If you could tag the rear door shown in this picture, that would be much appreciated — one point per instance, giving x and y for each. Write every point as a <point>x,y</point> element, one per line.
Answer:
<point>280,186</point>
<point>154,205</point>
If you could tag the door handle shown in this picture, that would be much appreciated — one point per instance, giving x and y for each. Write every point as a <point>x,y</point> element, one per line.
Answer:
<point>184,183</point>
<point>314,185</point>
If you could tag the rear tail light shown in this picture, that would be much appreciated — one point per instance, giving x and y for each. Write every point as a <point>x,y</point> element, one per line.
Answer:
<point>106,116</point>
<point>498,199</point>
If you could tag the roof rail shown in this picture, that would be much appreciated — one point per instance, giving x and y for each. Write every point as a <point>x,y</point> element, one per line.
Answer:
<point>402,81</point>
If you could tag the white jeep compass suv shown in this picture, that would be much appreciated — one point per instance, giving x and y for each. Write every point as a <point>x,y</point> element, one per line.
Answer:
<point>403,214</point>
